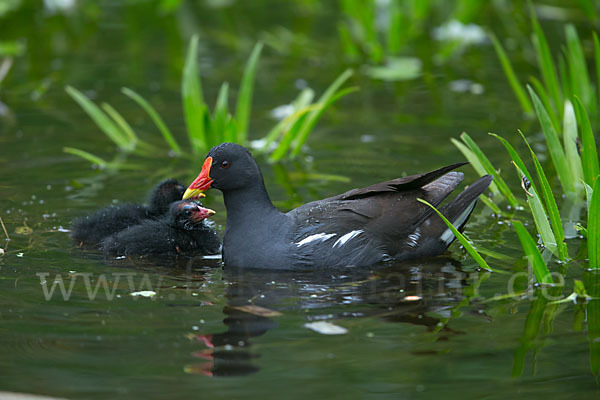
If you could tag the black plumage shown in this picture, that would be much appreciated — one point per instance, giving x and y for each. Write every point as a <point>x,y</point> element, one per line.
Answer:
<point>182,231</point>
<point>360,227</point>
<point>93,228</point>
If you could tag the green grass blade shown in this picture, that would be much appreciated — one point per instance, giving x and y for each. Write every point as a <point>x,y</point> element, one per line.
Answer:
<point>489,168</point>
<point>158,121</point>
<point>301,106</point>
<point>570,144</point>
<point>554,146</point>
<point>194,106</point>
<point>589,8</point>
<point>589,151</point>
<point>121,122</point>
<point>490,203</point>
<point>104,122</point>
<point>230,130</point>
<point>86,156</point>
<point>546,101</point>
<point>334,87</point>
<point>540,269</point>
<point>580,79</point>
<point>565,78</point>
<point>557,227</point>
<point>540,218</point>
<point>287,139</point>
<point>282,126</point>
<point>516,86</point>
<point>461,238</point>
<point>593,228</point>
<point>221,117</point>
<point>544,57</point>
<point>475,163</point>
<point>350,49</point>
<point>314,116</point>
<point>588,194</point>
<point>244,101</point>
<point>597,62</point>
<point>513,155</point>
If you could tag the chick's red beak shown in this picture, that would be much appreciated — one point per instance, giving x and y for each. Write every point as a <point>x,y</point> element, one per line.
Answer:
<point>202,213</point>
<point>201,183</point>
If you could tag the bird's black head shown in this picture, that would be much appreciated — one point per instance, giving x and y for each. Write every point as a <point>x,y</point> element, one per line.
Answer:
<point>228,166</point>
<point>163,194</point>
<point>188,214</point>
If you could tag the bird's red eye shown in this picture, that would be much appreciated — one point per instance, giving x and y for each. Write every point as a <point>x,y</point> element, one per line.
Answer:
<point>225,164</point>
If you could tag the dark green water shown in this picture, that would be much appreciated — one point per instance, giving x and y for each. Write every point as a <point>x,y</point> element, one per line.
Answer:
<point>418,330</point>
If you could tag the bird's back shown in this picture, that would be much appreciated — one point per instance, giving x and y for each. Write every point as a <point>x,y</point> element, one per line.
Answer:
<point>383,221</point>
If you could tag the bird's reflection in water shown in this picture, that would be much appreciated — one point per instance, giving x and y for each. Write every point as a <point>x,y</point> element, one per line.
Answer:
<point>421,292</point>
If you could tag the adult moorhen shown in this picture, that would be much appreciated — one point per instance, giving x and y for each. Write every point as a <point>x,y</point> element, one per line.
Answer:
<point>93,228</point>
<point>357,228</point>
<point>182,231</point>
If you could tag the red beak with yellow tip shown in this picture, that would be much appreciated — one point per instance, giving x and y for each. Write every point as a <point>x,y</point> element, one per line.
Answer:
<point>201,183</point>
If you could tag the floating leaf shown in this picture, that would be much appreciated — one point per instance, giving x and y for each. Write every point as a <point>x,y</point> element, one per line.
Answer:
<point>396,69</point>
<point>326,328</point>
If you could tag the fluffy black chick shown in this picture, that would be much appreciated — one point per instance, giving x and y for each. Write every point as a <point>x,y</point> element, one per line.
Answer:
<point>182,231</point>
<point>92,229</point>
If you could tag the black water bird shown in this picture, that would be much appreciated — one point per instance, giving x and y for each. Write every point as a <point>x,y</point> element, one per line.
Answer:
<point>93,228</point>
<point>181,231</point>
<point>364,226</point>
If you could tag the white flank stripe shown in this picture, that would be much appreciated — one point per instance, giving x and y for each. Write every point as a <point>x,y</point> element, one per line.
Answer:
<point>413,238</point>
<point>318,236</point>
<point>342,241</point>
<point>448,236</point>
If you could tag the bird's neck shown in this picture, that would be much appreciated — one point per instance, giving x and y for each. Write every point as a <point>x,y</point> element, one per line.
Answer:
<point>251,203</point>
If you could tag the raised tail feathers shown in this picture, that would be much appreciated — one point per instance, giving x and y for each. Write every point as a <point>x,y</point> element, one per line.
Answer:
<point>457,211</point>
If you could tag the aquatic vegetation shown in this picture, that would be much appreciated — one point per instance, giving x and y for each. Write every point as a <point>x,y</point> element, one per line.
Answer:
<point>571,78</point>
<point>206,129</point>
<point>378,33</point>
<point>468,245</point>
<point>562,107</point>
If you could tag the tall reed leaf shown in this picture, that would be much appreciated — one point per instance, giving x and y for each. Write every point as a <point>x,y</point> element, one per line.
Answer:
<point>554,146</point>
<point>540,269</point>
<point>103,121</point>
<point>544,57</point>
<point>570,144</point>
<point>301,106</point>
<point>158,121</point>
<point>589,152</point>
<point>461,238</point>
<point>86,156</point>
<point>516,86</point>
<point>297,135</point>
<point>551,206</point>
<point>244,101</point>
<point>221,117</point>
<point>121,122</point>
<point>593,228</point>
<point>597,61</point>
<point>193,102</point>
<point>324,103</point>
<point>475,163</point>
<point>489,168</point>
<point>546,101</point>
<point>540,218</point>
<point>580,79</point>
